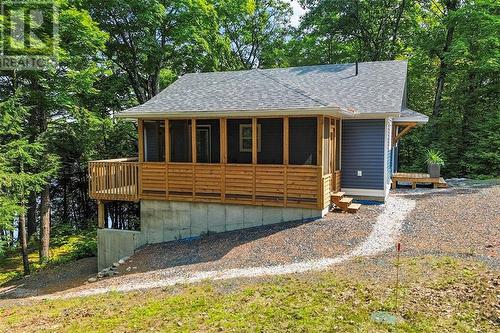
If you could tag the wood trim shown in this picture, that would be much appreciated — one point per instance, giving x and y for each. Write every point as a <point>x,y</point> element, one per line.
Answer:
<point>167,141</point>
<point>319,144</point>
<point>254,155</point>
<point>286,153</point>
<point>398,135</point>
<point>193,140</point>
<point>140,136</point>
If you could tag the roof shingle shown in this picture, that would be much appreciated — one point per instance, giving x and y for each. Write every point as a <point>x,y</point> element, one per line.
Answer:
<point>378,88</point>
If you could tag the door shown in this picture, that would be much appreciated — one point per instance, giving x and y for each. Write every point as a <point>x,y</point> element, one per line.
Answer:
<point>203,144</point>
<point>332,157</point>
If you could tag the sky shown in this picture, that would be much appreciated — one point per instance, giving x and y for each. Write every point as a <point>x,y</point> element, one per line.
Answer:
<point>297,12</point>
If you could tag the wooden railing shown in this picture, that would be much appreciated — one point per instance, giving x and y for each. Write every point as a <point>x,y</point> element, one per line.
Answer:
<point>114,179</point>
<point>270,185</point>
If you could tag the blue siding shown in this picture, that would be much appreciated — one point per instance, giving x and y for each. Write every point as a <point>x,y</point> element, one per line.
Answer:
<point>363,149</point>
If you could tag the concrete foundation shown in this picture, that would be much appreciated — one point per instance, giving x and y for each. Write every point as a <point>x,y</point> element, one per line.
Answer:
<point>163,221</point>
<point>112,245</point>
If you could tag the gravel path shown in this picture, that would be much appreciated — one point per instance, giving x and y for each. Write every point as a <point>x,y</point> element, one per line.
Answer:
<point>383,236</point>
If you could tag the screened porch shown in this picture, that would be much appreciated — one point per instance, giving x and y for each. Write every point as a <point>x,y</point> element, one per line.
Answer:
<point>278,161</point>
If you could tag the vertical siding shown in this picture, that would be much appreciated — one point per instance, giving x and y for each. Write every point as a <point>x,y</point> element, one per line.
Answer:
<point>388,138</point>
<point>363,149</point>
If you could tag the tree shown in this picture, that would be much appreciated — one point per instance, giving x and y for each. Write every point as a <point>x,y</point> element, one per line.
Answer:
<point>334,31</point>
<point>147,37</point>
<point>17,157</point>
<point>254,28</point>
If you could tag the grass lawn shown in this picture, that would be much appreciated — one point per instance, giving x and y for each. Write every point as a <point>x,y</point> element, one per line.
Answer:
<point>63,248</point>
<point>437,295</point>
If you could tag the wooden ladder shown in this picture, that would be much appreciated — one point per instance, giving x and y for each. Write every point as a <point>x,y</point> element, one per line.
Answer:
<point>344,203</point>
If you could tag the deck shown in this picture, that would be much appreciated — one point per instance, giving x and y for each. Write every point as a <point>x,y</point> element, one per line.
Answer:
<point>417,178</point>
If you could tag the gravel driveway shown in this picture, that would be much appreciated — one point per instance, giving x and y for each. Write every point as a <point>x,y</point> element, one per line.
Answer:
<point>461,222</point>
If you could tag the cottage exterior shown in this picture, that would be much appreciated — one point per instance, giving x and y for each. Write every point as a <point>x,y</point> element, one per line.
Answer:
<point>231,150</point>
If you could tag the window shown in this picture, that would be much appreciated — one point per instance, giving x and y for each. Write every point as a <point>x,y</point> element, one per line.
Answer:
<point>154,141</point>
<point>246,138</point>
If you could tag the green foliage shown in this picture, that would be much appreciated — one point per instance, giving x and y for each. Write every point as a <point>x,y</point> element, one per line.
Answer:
<point>434,157</point>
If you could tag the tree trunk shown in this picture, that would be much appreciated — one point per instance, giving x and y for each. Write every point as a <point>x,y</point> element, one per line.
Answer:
<point>24,243</point>
<point>443,65</point>
<point>31,215</point>
<point>45,224</point>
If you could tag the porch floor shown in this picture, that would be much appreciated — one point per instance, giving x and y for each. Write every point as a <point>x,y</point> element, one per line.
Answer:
<point>417,178</point>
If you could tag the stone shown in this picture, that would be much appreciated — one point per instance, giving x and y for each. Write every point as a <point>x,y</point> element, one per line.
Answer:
<point>121,261</point>
<point>92,279</point>
<point>115,264</point>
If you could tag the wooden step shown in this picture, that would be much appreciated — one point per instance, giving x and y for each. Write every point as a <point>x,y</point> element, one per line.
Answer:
<point>338,195</point>
<point>344,202</point>
<point>353,208</point>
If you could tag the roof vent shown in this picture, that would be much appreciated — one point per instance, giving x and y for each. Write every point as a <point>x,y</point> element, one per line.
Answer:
<point>356,68</point>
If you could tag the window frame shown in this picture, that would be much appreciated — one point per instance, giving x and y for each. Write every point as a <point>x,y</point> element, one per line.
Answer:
<point>241,138</point>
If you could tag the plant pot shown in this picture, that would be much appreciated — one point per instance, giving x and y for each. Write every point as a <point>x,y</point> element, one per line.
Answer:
<point>434,170</point>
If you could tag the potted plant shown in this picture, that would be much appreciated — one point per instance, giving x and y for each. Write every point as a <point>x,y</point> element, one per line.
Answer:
<point>434,163</point>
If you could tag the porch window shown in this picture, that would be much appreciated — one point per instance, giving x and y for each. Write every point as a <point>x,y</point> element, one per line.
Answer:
<point>154,141</point>
<point>180,140</point>
<point>270,132</point>
<point>302,141</point>
<point>246,138</point>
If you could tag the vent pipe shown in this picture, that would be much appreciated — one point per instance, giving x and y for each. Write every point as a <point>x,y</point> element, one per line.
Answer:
<point>356,68</point>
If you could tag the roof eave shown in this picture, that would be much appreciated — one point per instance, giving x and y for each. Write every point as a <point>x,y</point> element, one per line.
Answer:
<point>326,111</point>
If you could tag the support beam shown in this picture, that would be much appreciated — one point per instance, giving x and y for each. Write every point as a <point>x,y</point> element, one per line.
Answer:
<point>254,140</point>
<point>397,135</point>
<point>193,140</point>
<point>100,214</point>
<point>140,136</point>
<point>167,141</point>
<point>286,151</point>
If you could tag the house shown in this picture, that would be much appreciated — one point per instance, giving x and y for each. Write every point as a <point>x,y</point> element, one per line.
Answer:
<point>230,150</point>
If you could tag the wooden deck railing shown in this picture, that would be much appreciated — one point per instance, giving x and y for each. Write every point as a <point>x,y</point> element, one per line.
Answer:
<point>270,185</point>
<point>114,179</point>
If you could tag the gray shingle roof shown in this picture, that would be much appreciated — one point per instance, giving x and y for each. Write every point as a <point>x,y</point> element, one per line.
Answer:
<point>378,88</point>
<point>408,115</point>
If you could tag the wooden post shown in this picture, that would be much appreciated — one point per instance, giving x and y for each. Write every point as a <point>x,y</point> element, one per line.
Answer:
<point>254,154</point>
<point>193,155</point>
<point>254,140</point>
<point>285,141</point>
<point>140,136</point>
<point>100,214</point>
<point>167,141</point>
<point>193,140</point>
<point>223,140</point>
<point>285,158</point>
<point>167,155</point>
<point>319,161</point>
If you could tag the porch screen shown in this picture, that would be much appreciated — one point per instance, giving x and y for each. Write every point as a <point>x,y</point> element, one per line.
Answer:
<point>180,140</point>
<point>208,141</point>
<point>271,132</point>
<point>239,141</point>
<point>326,147</point>
<point>302,141</point>
<point>154,141</point>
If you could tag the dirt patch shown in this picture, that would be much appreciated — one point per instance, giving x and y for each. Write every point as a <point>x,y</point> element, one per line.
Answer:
<point>51,280</point>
